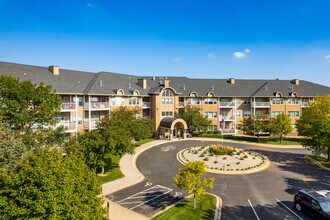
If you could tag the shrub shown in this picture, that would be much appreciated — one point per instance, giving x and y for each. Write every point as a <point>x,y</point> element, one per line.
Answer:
<point>206,158</point>
<point>220,150</point>
<point>215,161</point>
<point>195,152</point>
<point>216,132</point>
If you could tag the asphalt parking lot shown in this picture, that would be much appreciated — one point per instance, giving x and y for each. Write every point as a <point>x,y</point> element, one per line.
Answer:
<point>264,195</point>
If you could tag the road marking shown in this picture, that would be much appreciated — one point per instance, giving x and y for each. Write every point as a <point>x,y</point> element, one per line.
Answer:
<point>168,148</point>
<point>177,194</point>
<point>289,209</point>
<point>148,184</point>
<point>162,190</point>
<point>253,210</point>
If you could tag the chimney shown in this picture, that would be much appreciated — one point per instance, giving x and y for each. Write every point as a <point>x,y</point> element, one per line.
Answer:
<point>142,83</point>
<point>54,69</point>
<point>295,81</point>
<point>166,83</point>
<point>232,80</point>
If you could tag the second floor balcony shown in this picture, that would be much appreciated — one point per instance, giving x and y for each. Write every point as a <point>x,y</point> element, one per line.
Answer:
<point>69,106</point>
<point>90,124</point>
<point>145,104</point>
<point>227,104</point>
<point>260,104</point>
<point>227,117</point>
<point>67,125</point>
<point>97,106</point>
<point>181,104</point>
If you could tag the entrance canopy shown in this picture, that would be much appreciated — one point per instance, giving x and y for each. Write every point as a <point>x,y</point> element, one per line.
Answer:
<point>173,127</point>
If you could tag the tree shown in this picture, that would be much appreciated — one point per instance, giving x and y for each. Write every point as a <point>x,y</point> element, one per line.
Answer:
<point>314,125</point>
<point>193,117</point>
<point>11,148</point>
<point>192,178</point>
<point>280,125</point>
<point>256,125</point>
<point>113,137</point>
<point>28,108</point>
<point>46,185</point>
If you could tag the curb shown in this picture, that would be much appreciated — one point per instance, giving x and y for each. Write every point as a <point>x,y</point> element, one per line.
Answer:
<point>316,162</point>
<point>264,167</point>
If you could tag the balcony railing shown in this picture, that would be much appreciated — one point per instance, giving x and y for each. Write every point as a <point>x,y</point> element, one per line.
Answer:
<point>227,117</point>
<point>227,104</point>
<point>181,104</point>
<point>261,104</point>
<point>93,124</point>
<point>304,104</point>
<point>68,126</point>
<point>145,104</point>
<point>69,106</point>
<point>97,105</point>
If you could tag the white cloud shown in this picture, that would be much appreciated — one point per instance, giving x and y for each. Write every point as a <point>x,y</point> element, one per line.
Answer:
<point>327,58</point>
<point>247,50</point>
<point>90,5</point>
<point>210,55</point>
<point>239,54</point>
<point>176,59</point>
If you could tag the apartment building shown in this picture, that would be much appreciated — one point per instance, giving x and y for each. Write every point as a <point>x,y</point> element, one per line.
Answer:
<point>88,97</point>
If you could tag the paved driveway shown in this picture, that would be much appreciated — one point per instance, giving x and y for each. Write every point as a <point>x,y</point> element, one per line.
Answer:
<point>264,195</point>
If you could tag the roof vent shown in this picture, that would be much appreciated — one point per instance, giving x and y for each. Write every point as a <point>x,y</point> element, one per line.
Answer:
<point>266,87</point>
<point>24,74</point>
<point>212,87</point>
<point>292,89</point>
<point>154,78</point>
<point>129,85</point>
<point>184,87</point>
<point>101,82</point>
<point>54,69</point>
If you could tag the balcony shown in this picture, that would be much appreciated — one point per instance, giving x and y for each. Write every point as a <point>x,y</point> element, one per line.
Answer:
<point>228,118</point>
<point>304,104</point>
<point>68,126</point>
<point>260,104</point>
<point>227,104</point>
<point>92,123</point>
<point>181,104</point>
<point>145,104</point>
<point>97,106</point>
<point>69,106</point>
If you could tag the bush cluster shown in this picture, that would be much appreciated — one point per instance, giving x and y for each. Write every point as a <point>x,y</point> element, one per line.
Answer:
<point>220,150</point>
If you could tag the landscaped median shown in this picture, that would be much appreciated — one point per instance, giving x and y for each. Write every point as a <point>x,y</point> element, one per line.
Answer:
<point>225,159</point>
<point>205,209</point>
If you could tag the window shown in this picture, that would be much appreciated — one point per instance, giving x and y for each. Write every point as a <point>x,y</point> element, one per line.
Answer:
<point>278,101</point>
<point>246,113</point>
<point>210,114</point>
<point>224,113</point>
<point>238,101</point>
<point>167,101</point>
<point>167,113</point>
<point>293,113</point>
<point>210,101</point>
<point>276,113</point>
<point>167,93</point>
<point>247,101</point>
<point>119,101</point>
<point>212,128</point>
<point>239,126</point>
<point>293,101</point>
<point>193,101</point>
<point>134,101</point>
<point>238,114</point>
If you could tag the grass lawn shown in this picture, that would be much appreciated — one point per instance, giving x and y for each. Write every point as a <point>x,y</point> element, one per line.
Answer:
<point>205,208</point>
<point>321,160</point>
<point>114,173</point>
<point>290,141</point>
<point>139,143</point>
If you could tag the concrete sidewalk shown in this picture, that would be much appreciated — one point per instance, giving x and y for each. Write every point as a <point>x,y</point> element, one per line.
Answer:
<point>133,176</point>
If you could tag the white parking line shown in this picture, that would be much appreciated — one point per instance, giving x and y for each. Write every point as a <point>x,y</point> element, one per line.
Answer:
<point>289,209</point>
<point>161,189</point>
<point>253,210</point>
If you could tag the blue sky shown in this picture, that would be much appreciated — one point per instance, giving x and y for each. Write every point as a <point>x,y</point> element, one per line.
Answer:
<point>263,39</point>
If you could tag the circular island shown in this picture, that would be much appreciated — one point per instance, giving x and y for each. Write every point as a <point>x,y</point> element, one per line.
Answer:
<point>225,159</point>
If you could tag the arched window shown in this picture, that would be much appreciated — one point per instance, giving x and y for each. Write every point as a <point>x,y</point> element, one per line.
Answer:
<point>167,93</point>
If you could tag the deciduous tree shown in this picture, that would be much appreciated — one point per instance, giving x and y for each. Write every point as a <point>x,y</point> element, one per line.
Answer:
<point>195,120</point>
<point>281,125</point>
<point>192,178</point>
<point>46,185</point>
<point>256,125</point>
<point>314,125</point>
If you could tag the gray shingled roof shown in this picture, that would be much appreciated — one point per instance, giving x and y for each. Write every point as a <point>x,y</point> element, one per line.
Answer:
<point>106,83</point>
